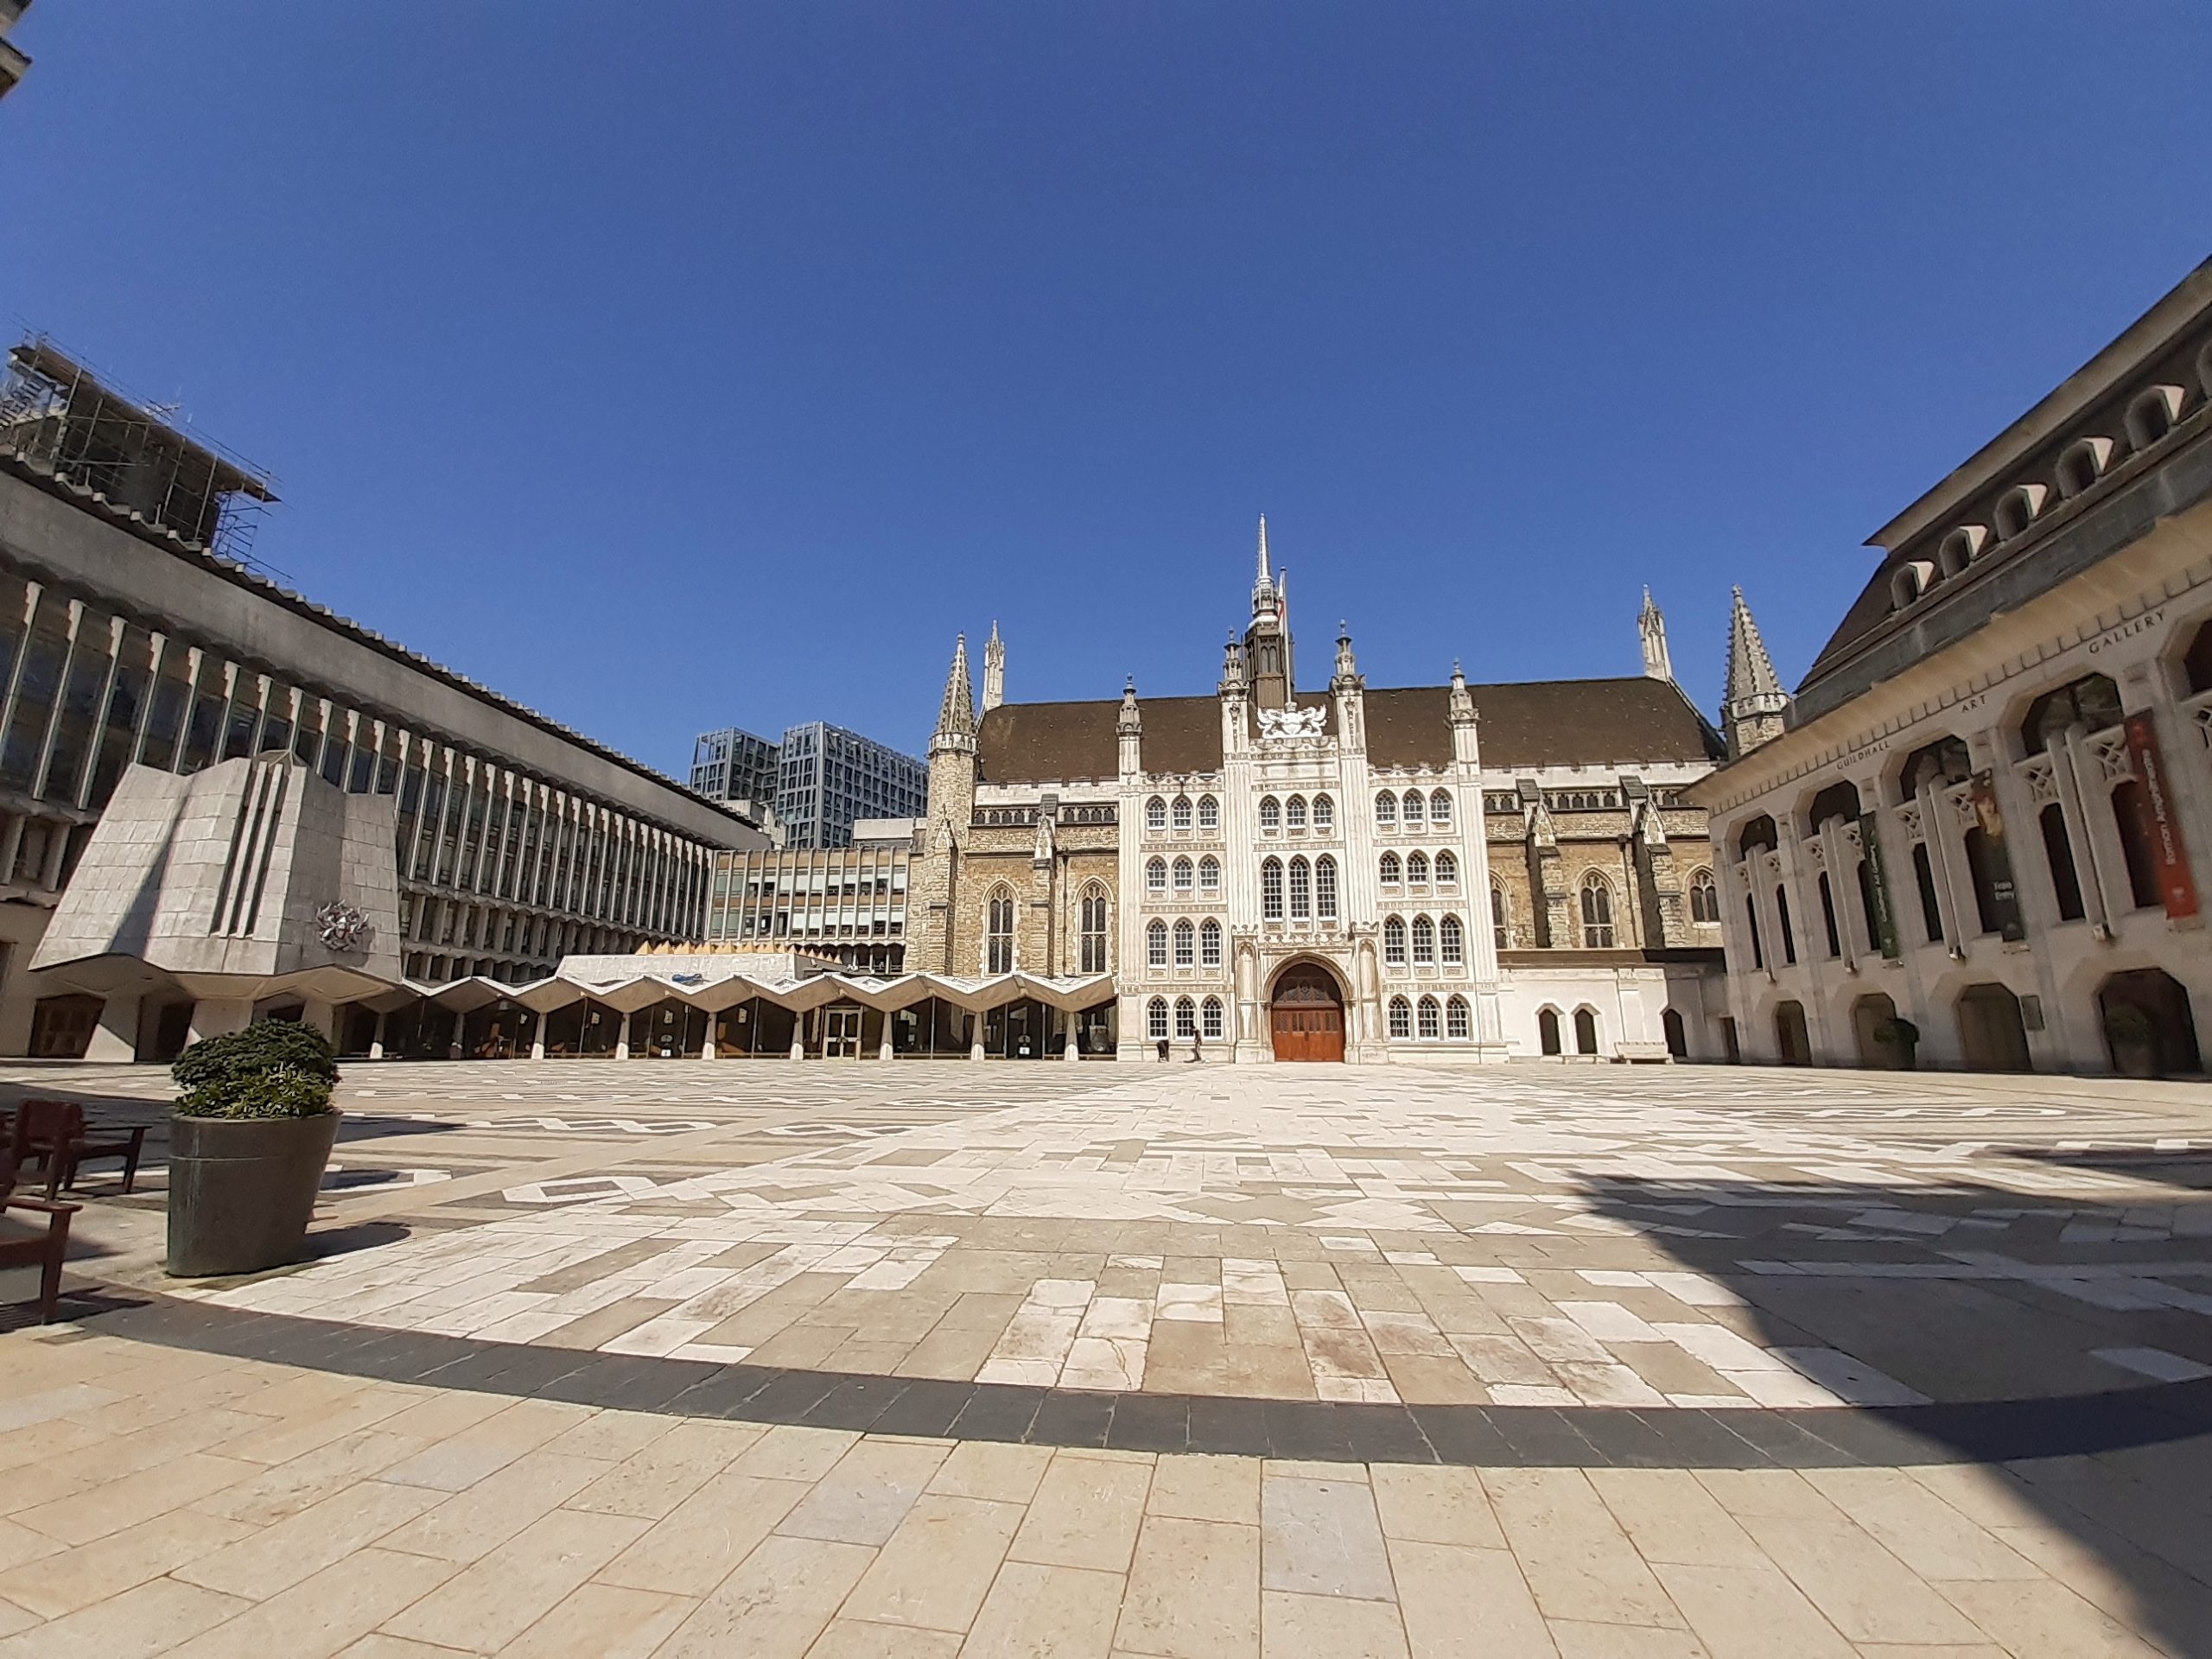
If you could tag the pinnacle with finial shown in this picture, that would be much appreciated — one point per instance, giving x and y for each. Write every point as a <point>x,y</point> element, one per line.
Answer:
<point>957,715</point>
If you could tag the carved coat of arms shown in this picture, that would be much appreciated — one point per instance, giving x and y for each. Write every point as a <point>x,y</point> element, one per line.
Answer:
<point>1292,722</point>
<point>343,927</point>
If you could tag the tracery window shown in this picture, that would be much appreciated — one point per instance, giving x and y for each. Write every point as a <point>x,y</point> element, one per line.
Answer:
<point>1440,809</point>
<point>1596,913</point>
<point>1301,891</point>
<point>1424,941</point>
<point>1210,944</point>
<point>1293,812</point>
<point>1324,887</point>
<point>1210,1017</point>
<point>1447,870</point>
<point>1390,871</point>
<point>1155,815</point>
<point>1394,941</point>
<point>1155,945</point>
<point>1386,810</point>
<point>1209,874</point>
<point>1324,814</point>
<point>1181,811</point>
<point>1182,875</point>
<point>1209,812</point>
<point>998,933</point>
<point>1501,921</point>
<point>1271,890</point>
<point>1186,944</point>
<point>1155,1017</point>
<point>1402,1018</point>
<point>1411,809</point>
<point>1155,875</point>
<point>1456,1024</point>
<point>1093,930</point>
<point>1452,941</point>
<point>1705,897</point>
<point>1187,1017</point>
<point>1416,869</point>
<point>1431,1025</point>
<point>1270,814</point>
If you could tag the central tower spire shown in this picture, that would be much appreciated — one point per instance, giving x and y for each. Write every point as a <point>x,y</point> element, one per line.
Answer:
<point>1267,642</point>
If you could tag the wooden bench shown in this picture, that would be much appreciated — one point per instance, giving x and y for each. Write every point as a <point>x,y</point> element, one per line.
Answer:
<point>52,1133</point>
<point>41,1250</point>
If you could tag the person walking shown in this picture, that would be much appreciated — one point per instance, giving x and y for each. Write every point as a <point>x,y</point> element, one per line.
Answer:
<point>1163,1049</point>
<point>1194,1046</point>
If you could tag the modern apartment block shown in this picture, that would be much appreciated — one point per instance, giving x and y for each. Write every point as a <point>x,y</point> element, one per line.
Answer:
<point>843,905</point>
<point>733,765</point>
<point>831,777</point>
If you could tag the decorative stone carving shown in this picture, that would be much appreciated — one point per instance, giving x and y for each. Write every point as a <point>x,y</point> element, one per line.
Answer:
<point>1277,724</point>
<point>343,928</point>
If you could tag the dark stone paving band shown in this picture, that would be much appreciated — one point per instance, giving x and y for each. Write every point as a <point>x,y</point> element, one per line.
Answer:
<point>1491,1436</point>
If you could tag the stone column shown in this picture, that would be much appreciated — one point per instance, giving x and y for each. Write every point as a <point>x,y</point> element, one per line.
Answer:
<point>116,1036</point>
<point>214,1016</point>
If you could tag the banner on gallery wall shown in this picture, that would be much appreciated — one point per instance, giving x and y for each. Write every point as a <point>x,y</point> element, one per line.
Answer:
<point>2169,855</point>
<point>1878,887</point>
<point>1990,861</point>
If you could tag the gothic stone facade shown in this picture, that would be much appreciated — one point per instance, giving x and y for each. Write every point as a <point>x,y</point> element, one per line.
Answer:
<point>1456,871</point>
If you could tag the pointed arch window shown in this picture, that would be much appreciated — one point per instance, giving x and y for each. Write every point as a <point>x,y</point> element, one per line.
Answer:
<point>1293,812</point>
<point>1209,874</point>
<point>1325,815</point>
<point>1186,945</point>
<point>1183,874</point>
<point>1301,891</point>
<point>1270,814</point>
<point>1209,812</point>
<point>1155,815</point>
<point>1432,1020</point>
<point>1209,943</point>
<point>1187,1017</point>
<point>1547,1030</point>
<point>1394,941</point>
<point>1705,897</point>
<point>1585,1031</point>
<point>1416,869</point>
<point>1402,1018</point>
<point>1424,941</point>
<point>1155,945</point>
<point>1155,1017</point>
<point>1209,1018</point>
<point>1456,1024</point>
<point>998,933</point>
<point>1789,933</point>
<point>1390,871</point>
<point>1271,890</point>
<point>1386,810</point>
<point>1324,887</point>
<point>1452,941</point>
<point>1501,920</point>
<point>1092,933</point>
<point>1180,812</point>
<point>1155,875</point>
<point>1411,809</point>
<point>1596,913</point>
<point>1447,870</point>
<point>1440,809</point>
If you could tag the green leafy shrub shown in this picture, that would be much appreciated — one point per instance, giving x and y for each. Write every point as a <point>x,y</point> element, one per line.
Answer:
<point>276,1068</point>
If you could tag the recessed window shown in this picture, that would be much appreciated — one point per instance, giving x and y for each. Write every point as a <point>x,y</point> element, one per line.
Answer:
<point>1440,809</point>
<point>1183,874</point>
<point>1270,814</point>
<point>1209,1018</point>
<point>1209,874</point>
<point>2082,465</point>
<point>1324,814</point>
<point>1186,945</point>
<point>1410,808</point>
<point>1302,890</point>
<point>1908,581</point>
<point>1456,1024</point>
<point>1155,1017</point>
<point>1424,941</point>
<point>1416,869</point>
<point>1394,942</point>
<point>1501,919</point>
<point>1155,815</point>
<point>1452,941</point>
<point>1960,547</point>
<point>1324,887</point>
<point>1271,890</point>
<point>2017,509</point>
<point>1447,870</point>
<point>1431,1018</point>
<point>1596,913</point>
<point>1155,875</point>
<point>1187,1017</point>
<point>1293,812</point>
<point>1209,812</point>
<point>998,933</point>
<point>1386,810</point>
<point>1705,897</point>
<point>1402,1018</point>
<point>1180,812</point>
<point>1155,945</point>
<point>1210,944</point>
<point>1391,872</point>
<point>2152,415</point>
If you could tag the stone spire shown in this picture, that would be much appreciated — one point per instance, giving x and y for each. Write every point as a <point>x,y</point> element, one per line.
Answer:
<point>1347,670</point>
<point>994,671</point>
<point>1753,705</point>
<point>1651,629</point>
<point>956,717</point>
<point>1267,642</point>
<point>1267,599</point>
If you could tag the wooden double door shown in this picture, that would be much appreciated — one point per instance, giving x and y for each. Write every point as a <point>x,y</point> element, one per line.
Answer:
<point>1307,1015</point>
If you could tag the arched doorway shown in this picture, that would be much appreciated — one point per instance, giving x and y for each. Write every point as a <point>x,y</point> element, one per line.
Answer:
<point>1586,1032</point>
<point>1307,1015</point>
<point>1791,1041</point>
<point>1992,1036</point>
<point>1678,1041</point>
<point>2149,1031</point>
<point>1547,1030</point>
<point>1868,1015</point>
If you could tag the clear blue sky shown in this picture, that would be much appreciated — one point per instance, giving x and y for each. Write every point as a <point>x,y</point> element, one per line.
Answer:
<point>680,365</point>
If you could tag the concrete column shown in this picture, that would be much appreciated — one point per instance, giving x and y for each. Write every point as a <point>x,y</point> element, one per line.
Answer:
<point>975,1045</point>
<point>536,1038</point>
<point>116,1036</point>
<point>708,1050</point>
<point>622,1038</point>
<point>216,1016</point>
<point>376,1043</point>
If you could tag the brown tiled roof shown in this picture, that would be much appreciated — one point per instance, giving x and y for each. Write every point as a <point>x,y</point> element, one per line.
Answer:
<point>1532,723</point>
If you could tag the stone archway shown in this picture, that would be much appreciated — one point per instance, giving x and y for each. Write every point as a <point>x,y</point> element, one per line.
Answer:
<point>1869,1013</point>
<point>1306,1013</point>
<point>2149,1031</point>
<point>1992,1036</point>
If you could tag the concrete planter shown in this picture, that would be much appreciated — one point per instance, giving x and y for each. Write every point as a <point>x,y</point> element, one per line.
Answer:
<point>241,1190</point>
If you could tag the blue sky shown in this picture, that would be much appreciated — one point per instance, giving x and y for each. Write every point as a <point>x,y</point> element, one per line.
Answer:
<point>674,366</point>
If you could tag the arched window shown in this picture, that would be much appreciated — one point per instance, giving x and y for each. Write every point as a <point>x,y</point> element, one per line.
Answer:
<point>1501,919</point>
<point>1440,809</point>
<point>1386,810</point>
<point>2017,509</point>
<point>1924,879</point>
<point>1155,875</point>
<point>1270,814</point>
<point>1402,1018</point>
<point>1960,548</point>
<point>1432,1020</point>
<point>1596,913</point>
<point>1456,1024</point>
<point>1181,811</point>
<point>998,933</point>
<point>1209,1018</point>
<point>1705,897</point>
<point>1789,933</point>
<point>1394,942</point>
<point>1209,943</point>
<point>2082,465</point>
<point>1410,809</point>
<point>1209,874</point>
<point>1155,1017</point>
<point>1271,890</point>
<point>1155,945</point>
<point>1183,872</point>
<point>1452,941</point>
<point>1586,1032</point>
<point>1155,815</point>
<point>1209,812</point>
<point>1416,869</point>
<point>2091,701</point>
<point>1293,812</point>
<point>1391,872</point>
<point>1424,941</point>
<point>1093,932</point>
<point>1908,581</point>
<point>1447,870</point>
<point>2058,851</point>
<point>1187,1017</point>
<point>1302,890</point>
<point>1325,815</point>
<point>2152,415</point>
<point>1828,915</point>
<point>1547,1030</point>
<point>1324,887</point>
<point>1186,944</point>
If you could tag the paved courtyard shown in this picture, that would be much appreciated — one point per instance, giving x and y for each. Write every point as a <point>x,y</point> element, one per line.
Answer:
<point>1173,1361</point>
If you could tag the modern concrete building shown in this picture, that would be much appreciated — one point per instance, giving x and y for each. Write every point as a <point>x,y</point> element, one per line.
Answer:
<point>736,768</point>
<point>1984,811</point>
<point>844,904</point>
<point>134,637</point>
<point>831,777</point>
